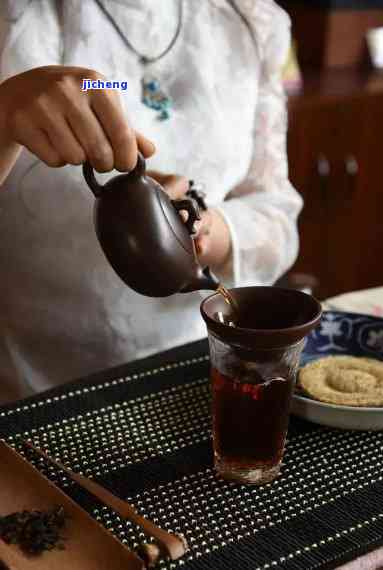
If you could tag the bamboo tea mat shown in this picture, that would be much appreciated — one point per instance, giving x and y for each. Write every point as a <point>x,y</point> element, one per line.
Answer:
<point>143,430</point>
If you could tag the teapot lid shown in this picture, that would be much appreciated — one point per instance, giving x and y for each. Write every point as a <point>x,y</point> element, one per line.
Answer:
<point>171,208</point>
<point>179,228</point>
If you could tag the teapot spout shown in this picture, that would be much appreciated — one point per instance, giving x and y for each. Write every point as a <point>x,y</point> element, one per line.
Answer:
<point>204,279</point>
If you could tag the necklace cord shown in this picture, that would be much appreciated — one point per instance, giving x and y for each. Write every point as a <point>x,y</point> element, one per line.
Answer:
<point>143,58</point>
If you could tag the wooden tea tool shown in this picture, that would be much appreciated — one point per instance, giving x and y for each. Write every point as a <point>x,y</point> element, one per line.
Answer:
<point>168,544</point>
<point>88,544</point>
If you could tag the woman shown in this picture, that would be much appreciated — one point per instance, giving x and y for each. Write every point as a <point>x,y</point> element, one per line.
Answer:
<point>64,311</point>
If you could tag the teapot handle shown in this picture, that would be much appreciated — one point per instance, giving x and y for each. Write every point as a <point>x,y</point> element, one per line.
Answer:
<point>191,206</point>
<point>88,172</point>
<point>90,178</point>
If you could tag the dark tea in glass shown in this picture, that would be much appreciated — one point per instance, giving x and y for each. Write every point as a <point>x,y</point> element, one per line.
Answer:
<point>245,429</point>
<point>254,359</point>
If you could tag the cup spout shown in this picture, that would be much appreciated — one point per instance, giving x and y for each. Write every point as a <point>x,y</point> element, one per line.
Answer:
<point>203,280</point>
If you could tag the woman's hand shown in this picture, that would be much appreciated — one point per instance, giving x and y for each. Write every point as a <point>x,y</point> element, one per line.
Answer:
<point>46,111</point>
<point>212,241</point>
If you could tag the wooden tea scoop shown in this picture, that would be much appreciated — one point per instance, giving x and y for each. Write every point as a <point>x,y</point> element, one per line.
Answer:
<point>169,544</point>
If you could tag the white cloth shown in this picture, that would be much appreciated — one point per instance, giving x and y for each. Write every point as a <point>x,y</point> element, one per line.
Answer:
<point>367,301</point>
<point>64,313</point>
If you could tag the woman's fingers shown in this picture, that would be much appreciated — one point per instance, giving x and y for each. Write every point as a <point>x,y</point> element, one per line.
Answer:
<point>124,141</point>
<point>145,146</point>
<point>37,142</point>
<point>203,245</point>
<point>107,144</point>
<point>175,186</point>
<point>203,237</point>
<point>122,138</point>
<point>103,130</point>
<point>205,223</point>
<point>62,138</point>
<point>91,136</point>
<point>73,125</point>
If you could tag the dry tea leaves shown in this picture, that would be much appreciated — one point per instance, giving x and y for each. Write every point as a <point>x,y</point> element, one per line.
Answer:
<point>34,531</point>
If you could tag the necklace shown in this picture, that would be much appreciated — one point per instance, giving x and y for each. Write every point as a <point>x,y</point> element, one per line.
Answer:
<point>152,94</point>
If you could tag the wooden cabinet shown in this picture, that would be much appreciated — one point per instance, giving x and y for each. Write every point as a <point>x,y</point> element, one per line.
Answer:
<point>335,147</point>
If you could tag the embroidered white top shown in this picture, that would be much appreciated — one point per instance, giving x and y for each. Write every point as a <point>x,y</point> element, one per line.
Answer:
<point>64,313</point>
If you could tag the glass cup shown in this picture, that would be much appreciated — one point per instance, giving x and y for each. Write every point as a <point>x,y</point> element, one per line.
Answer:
<point>253,369</point>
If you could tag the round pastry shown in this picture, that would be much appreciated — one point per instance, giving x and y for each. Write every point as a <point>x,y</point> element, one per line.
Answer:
<point>344,380</point>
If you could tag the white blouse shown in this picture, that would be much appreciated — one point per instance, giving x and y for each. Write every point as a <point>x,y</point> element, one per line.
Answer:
<point>64,312</point>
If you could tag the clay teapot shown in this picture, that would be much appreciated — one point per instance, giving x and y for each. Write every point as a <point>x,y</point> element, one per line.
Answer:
<point>143,236</point>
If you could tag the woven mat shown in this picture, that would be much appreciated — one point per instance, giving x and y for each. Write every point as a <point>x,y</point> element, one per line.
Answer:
<point>143,430</point>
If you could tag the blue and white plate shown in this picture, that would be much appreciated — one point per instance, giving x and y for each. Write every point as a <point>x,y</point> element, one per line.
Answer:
<point>348,334</point>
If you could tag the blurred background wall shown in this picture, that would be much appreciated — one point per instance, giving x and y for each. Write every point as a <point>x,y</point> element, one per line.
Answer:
<point>335,146</point>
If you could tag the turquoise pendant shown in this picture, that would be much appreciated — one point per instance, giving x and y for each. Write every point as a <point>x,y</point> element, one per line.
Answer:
<point>155,98</point>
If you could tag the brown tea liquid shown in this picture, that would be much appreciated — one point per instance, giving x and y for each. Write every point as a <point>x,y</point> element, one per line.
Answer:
<point>250,420</point>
